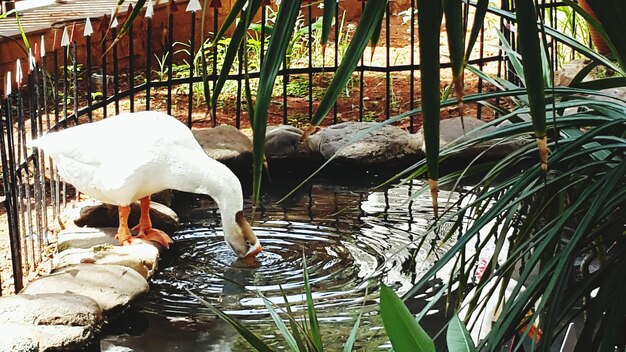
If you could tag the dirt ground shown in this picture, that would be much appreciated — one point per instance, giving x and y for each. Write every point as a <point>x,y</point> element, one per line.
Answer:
<point>374,100</point>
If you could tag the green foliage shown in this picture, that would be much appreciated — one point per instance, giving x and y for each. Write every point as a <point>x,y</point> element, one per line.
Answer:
<point>405,334</point>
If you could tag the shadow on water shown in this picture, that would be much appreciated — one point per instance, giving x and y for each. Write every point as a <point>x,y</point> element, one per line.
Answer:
<point>353,240</point>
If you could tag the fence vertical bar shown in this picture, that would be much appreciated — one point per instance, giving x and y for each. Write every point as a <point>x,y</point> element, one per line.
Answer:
<point>240,54</point>
<point>361,75</point>
<point>285,83</point>
<point>170,57</point>
<point>412,72</point>
<point>214,71</point>
<point>131,68</point>
<point>8,178</point>
<point>191,67</point>
<point>116,77</point>
<point>148,61</point>
<point>75,78</point>
<point>336,58</point>
<point>41,158</point>
<point>89,83</point>
<point>23,153</point>
<point>310,52</point>
<point>56,180</point>
<point>387,64</point>
<point>38,232</point>
<point>105,78</point>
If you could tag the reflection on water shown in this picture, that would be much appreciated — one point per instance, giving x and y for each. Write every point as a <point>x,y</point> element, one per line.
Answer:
<point>353,239</point>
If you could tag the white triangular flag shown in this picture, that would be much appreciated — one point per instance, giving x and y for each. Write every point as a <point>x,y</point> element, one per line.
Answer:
<point>65,39</point>
<point>8,91</point>
<point>43,47</point>
<point>149,10</point>
<point>194,5</point>
<point>114,23</point>
<point>88,28</point>
<point>18,73</point>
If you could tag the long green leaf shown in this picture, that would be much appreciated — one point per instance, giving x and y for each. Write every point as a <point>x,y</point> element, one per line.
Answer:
<point>456,46</point>
<point>402,329</point>
<point>533,72</point>
<point>233,48</point>
<point>372,14</point>
<point>291,341</point>
<point>235,9</point>
<point>330,8</point>
<point>315,328</point>
<point>349,346</point>
<point>254,340</point>
<point>477,26</point>
<point>376,37</point>
<point>429,22</point>
<point>457,337</point>
<point>287,15</point>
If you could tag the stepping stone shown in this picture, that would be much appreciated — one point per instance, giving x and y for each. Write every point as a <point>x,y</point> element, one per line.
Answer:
<point>112,286</point>
<point>382,147</point>
<point>142,258</point>
<point>226,144</point>
<point>451,129</point>
<point>86,237</point>
<point>60,321</point>
<point>282,144</point>
<point>94,213</point>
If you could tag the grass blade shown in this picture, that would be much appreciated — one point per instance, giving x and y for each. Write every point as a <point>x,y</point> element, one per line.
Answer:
<point>429,23</point>
<point>349,346</point>
<point>479,19</point>
<point>457,337</point>
<point>330,8</point>
<point>402,329</point>
<point>291,341</point>
<point>372,14</point>
<point>315,328</point>
<point>254,340</point>
<point>286,18</point>
<point>533,73</point>
<point>295,329</point>
<point>456,45</point>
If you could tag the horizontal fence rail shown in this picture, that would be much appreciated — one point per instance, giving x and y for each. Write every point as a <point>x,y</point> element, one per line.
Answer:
<point>81,78</point>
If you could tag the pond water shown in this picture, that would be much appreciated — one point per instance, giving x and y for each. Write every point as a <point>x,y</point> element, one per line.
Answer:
<point>353,239</point>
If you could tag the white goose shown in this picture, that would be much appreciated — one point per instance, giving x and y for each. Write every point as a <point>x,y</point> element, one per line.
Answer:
<point>122,159</point>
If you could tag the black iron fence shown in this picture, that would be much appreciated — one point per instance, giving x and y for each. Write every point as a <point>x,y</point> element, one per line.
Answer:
<point>80,78</point>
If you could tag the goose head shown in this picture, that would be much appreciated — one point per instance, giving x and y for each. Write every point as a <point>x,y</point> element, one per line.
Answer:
<point>239,236</point>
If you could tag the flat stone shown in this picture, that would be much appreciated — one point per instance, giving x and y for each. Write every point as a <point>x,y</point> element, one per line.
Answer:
<point>143,258</point>
<point>451,130</point>
<point>18,337</point>
<point>282,144</point>
<point>50,309</point>
<point>226,144</point>
<point>385,146</point>
<point>86,237</point>
<point>55,321</point>
<point>112,286</point>
<point>94,213</point>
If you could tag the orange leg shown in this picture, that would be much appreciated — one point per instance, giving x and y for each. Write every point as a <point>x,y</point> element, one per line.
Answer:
<point>123,232</point>
<point>145,226</point>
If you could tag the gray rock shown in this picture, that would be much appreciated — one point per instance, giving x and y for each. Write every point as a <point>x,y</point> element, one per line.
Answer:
<point>225,144</point>
<point>18,337</point>
<point>617,93</point>
<point>282,144</point>
<point>566,74</point>
<point>112,286</point>
<point>451,130</point>
<point>142,258</point>
<point>51,309</point>
<point>21,338</point>
<point>86,237</point>
<point>384,146</point>
<point>56,321</point>
<point>97,214</point>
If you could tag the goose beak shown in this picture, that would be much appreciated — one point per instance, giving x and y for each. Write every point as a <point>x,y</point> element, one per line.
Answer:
<point>254,250</point>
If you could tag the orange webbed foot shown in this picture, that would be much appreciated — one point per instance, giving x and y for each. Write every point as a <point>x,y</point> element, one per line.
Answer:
<point>152,234</point>
<point>129,241</point>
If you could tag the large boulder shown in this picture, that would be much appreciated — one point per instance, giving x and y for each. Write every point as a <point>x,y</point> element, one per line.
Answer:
<point>94,213</point>
<point>381,147</point>
<point>451,130</point>
<point>42,322</point>
<point>226,144</point>
<point>111,286</point>
<point>283,145</point>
